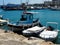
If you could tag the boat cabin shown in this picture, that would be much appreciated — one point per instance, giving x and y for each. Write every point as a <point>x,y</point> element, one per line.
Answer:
<point>27,17</point>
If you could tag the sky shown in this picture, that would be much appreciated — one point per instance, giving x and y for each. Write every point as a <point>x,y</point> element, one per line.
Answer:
<point>23,1</point>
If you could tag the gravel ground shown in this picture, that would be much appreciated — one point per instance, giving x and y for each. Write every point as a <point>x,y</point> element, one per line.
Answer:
<point>11,38</point>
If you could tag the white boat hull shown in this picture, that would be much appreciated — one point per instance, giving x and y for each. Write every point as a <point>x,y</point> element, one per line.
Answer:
<point>3,22</point>
<point>33,31</point>
<point>49,37</point>
<point>32,34</point>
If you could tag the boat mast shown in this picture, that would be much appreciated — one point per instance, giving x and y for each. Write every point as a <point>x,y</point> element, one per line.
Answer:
<point>27,2</point>
<point>21,1</point>
<point>3,2</point>
<point>23,6</point>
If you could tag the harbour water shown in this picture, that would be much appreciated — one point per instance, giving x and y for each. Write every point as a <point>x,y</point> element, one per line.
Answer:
<point>44,16</point>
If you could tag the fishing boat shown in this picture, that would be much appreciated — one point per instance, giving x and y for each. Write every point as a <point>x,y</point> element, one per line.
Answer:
<point>48,34</point>
<point>34,31</point>
<point>26,21</point>
<point>2,21</point>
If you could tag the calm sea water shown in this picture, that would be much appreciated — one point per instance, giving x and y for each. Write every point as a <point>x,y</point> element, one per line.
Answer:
<point>44,16</point>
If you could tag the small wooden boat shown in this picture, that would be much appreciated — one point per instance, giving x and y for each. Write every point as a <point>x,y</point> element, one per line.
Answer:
<point>26,21</point>
<point>33,31</point>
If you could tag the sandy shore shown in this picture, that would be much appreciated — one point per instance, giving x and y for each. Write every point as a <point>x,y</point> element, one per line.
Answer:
<point>11,38</point>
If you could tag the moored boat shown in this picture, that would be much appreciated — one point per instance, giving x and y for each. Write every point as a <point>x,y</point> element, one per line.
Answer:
<point>55,8</point>
<point>34,31</point>
<point>26,21</point>
<point>48,34</point>
<point>20,8</point>
<point>3,21</point>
